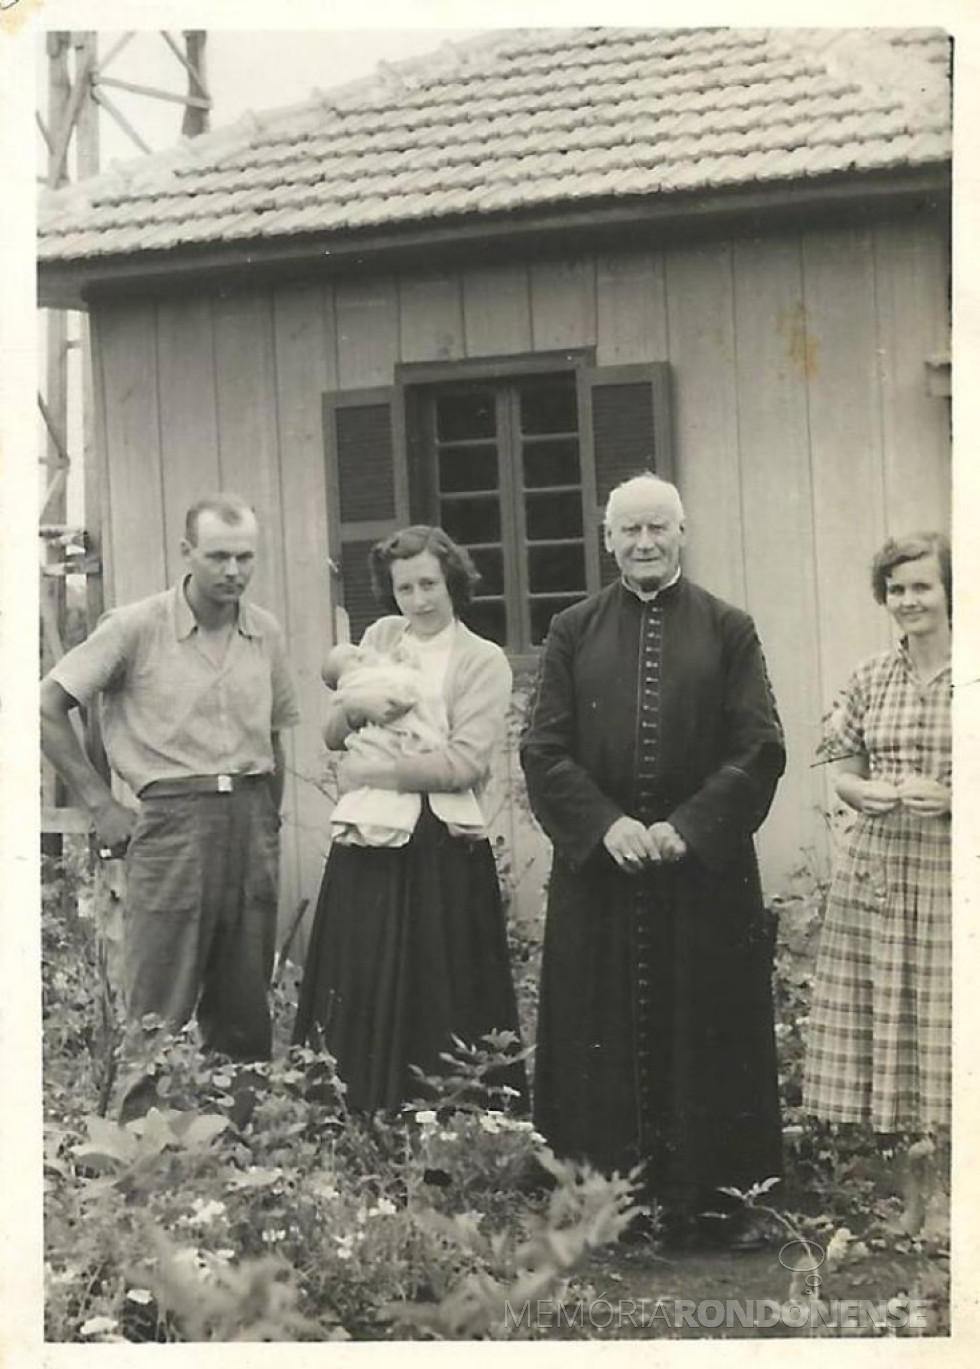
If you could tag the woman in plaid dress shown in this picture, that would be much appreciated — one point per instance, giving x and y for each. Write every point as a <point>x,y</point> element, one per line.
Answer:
<point>879,1046</point>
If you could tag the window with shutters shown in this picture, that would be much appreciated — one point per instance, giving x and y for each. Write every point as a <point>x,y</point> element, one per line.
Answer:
<point>506,481</point>
<point>515,462</point>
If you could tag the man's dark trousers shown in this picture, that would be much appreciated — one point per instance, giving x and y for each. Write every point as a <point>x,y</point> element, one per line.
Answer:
<point>200,915</point>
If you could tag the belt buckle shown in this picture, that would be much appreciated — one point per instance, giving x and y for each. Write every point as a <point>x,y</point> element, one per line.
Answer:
<point>225,785</point>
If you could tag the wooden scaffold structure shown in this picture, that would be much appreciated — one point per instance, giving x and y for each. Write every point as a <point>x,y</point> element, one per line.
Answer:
<point>78,89</point>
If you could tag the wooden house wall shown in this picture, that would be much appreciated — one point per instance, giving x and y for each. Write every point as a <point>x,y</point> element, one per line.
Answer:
<point>803,434</point>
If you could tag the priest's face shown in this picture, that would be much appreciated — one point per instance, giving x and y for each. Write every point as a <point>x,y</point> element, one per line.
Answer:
<point>645,533</point>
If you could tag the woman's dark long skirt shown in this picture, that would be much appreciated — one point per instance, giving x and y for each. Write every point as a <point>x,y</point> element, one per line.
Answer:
<point>408,948</point>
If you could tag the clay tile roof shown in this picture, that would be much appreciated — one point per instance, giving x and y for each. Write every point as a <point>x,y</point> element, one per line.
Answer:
<point>530,118</point>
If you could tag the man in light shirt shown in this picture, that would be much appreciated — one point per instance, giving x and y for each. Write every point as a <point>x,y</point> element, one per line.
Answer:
<point>195,692</point>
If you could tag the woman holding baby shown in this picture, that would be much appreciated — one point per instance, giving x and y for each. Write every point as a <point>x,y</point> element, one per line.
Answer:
<point>409,945</point>
<point>879,1049</point>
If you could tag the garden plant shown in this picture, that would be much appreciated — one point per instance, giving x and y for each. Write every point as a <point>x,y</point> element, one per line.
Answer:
<point>251,1205</point>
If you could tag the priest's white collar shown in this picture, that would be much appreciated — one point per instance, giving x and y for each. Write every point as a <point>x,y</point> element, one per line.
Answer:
<point>647,596</point>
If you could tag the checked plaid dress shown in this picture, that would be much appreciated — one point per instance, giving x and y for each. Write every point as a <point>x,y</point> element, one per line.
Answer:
<point>879,1047</point>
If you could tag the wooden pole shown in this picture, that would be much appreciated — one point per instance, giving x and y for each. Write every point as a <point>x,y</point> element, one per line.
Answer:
<point>87,122</point>
<point>197,120</point>
<point>154,92</point>
<point>87,154</point>
<point>56,390</point>
<point>101,98</point>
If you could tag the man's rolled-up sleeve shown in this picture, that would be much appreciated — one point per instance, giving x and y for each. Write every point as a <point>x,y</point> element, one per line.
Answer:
<point>285,708</point>
<point>99,663</point>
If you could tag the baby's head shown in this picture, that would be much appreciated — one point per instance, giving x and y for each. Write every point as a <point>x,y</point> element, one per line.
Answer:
<point>341,660</point>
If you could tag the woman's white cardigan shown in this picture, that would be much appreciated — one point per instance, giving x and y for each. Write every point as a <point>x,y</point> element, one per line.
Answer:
<point>477,690</point>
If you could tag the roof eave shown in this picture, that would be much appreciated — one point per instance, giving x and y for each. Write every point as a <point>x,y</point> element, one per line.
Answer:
<point>567,227</point>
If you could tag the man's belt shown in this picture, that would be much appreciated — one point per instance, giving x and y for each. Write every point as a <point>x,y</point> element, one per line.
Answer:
<point>200,784</point>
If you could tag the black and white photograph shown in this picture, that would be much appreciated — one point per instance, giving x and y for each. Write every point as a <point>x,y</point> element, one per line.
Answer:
<point>478,678</point>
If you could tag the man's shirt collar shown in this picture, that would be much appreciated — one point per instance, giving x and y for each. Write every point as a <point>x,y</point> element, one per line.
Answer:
<point>185,623</point>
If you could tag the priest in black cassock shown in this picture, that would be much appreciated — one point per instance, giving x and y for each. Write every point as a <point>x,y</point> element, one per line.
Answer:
<point>652,753</point>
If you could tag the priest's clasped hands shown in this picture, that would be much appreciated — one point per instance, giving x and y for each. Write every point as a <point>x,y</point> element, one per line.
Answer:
<point>635,847</point>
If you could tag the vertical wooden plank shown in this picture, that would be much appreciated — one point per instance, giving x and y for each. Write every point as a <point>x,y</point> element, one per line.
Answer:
<point>911,290</point>
<point>367,333</point>
<point>430,318</point>
<point>497,311</point>
<point>248,452</point>
<point>702,355</point>
<point>188,414</point>
<point>523,851</point>
<point>631,308</point>
<point>777,502</point>
<point>249,463</point>
<point>95,495</point>
<point>563,311</point>
<point>839,340</point>
<point>95,504</point>
<point>306,366</point>
<point>135,542</point>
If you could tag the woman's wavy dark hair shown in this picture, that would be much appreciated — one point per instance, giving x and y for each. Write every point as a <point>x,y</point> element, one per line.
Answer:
<point>898,550</point>
<point>457,567</point>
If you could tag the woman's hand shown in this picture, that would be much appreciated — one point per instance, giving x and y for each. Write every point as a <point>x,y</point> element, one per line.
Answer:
<point>871,797</point>
<point>878,796</point>
<point>928,798</point>
<point>369,699</point>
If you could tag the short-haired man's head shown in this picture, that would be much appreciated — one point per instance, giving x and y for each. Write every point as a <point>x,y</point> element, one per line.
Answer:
<point>230,508</point>
<point>898,550</point>
<point>646,484</point>
<point>458,569</point>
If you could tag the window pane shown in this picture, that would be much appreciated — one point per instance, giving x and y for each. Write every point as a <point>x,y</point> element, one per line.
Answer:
<point>489,561</point>
<point>471,520</point>
<point>556,568</point>
<point>551,461</point>
<point>543,610</point>
<point>465,414</point>
<point>553,515</point>
<point>467,468</point>
<point>549,406</point>
<point>488,617</point>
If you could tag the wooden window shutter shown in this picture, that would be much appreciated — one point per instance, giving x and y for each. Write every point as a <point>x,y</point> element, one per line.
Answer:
<point>367,490</point>
<point>625,422</point>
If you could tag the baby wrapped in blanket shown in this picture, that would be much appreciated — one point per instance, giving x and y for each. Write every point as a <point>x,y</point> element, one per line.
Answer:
<point>369,681</point>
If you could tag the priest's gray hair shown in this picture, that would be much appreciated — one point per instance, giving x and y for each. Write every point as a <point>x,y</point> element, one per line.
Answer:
<point>642,482</point>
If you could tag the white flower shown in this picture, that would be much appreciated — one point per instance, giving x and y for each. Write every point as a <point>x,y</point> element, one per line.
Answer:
<point>384,1208</point>
<point>447,1136</point>
<point>837,1248</point>
<point>99,1326</point>
<point>425,1118</point>
<point>323,1188</point>
<point>202,1212</point>
<point>66,1275</point>
<point>141,1295</point>
<point>490,1122</point>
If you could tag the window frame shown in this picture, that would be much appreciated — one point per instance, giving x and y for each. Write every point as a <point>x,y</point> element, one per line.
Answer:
<point>415,383</point>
